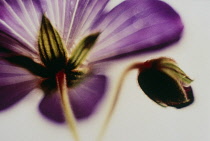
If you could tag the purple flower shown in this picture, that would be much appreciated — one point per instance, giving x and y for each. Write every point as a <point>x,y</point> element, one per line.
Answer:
<point>40,38</point>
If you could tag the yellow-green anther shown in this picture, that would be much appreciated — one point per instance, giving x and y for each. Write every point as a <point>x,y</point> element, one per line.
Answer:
<point>52,51</point>
<point>81,51</point>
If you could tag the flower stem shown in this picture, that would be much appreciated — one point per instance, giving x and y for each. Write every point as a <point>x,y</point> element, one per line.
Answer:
<point>68,113</point>
<point>115,98</point>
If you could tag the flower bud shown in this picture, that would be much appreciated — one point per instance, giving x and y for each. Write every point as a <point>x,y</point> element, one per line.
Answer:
<point>165,83</point>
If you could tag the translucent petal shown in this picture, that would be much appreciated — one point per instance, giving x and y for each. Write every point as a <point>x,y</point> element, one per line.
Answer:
<point>84,99</point>
<point>73,18</point>
<point>14,85</point>
<point>20,19</point>
<point>136,26</point>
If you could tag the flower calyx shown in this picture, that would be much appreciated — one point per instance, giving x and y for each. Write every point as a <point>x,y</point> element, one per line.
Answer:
<point>51,48</point>
<point>81,51</point>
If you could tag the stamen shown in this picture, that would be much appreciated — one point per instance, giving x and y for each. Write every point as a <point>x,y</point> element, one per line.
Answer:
<point>68,113</point>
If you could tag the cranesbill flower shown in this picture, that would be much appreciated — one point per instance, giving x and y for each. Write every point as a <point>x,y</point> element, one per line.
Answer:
<point>55,44</point>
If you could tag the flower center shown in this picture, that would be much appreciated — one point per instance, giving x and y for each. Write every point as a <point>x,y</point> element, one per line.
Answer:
<point>55,58</point>
<point>53,53</point>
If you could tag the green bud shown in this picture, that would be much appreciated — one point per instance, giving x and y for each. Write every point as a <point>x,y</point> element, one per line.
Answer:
<point>165,83</point>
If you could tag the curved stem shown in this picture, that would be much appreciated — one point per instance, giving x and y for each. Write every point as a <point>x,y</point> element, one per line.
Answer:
<point>115,98</point>
<point>68,113</point>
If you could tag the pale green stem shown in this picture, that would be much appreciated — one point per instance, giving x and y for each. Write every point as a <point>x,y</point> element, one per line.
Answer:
<point>115,98</point>
<point>68,113</point>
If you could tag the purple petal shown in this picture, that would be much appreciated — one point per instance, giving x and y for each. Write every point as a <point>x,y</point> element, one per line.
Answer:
<point>86,14</point>
<point>50,107</point>
<point>84,98</point>
<point>20,19</point>
<point>136,26</point>
<point>10,45</point>
<point>73,18</point>
<point>14,85</point>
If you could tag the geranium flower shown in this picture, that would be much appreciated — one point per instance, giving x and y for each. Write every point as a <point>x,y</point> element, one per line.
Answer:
<point>42,42</point>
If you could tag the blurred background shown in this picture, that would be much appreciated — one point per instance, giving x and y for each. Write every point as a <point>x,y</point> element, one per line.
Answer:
<point>137,118</point>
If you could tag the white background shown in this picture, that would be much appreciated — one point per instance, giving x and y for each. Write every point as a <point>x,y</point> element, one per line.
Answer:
<point>136,118</point>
